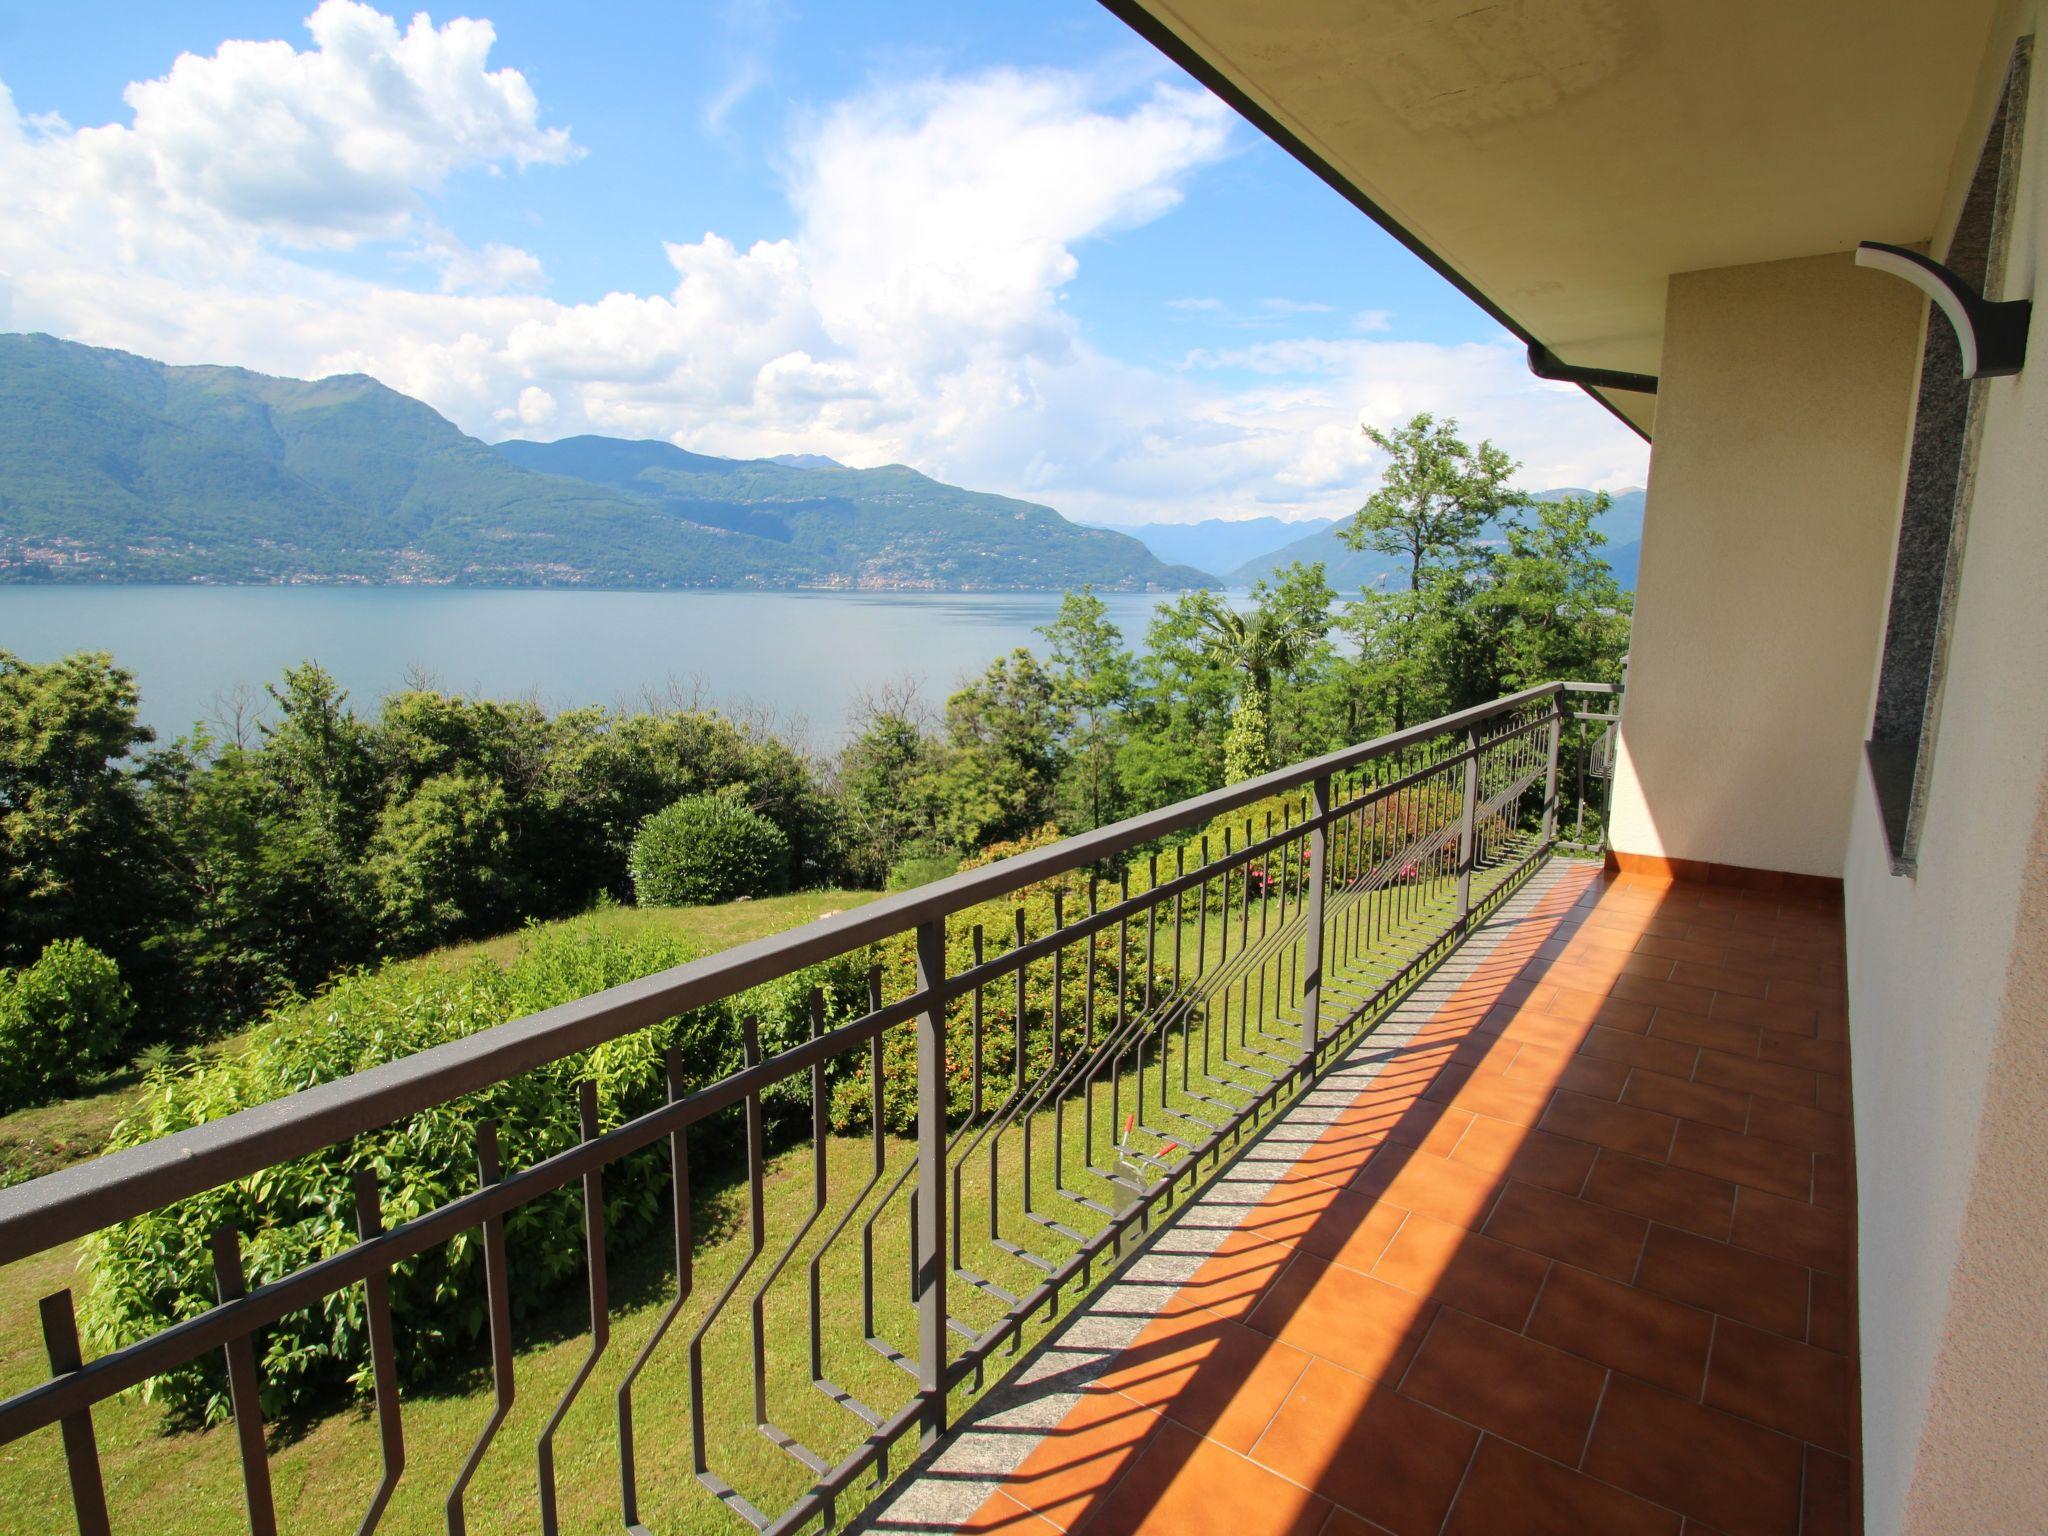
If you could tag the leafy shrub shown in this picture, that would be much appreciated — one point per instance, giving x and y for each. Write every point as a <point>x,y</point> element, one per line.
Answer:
<point>59,1019</point>
<point>438,860</point>
<point>707,848</point>
<point>920,869</point>
<point>155,1269</point>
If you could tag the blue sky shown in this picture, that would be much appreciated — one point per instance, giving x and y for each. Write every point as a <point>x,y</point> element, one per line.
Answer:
<point>1007,243</point>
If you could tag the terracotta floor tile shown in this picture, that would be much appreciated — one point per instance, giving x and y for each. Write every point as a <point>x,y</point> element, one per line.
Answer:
<point>1725,1471</point>
<point>1766,1292</point>
<point>1780,1383</point>
<point>1767,1013</point>
<point>1289,1211</point>
<point>1365,1325</point>
<point>1675,1196</point>
<point>1344,1523</point>
<point>1338,1155</point>
<point>1537,1028</point>
<point>1435,1186</point>
<point>1830,1181</point>
<point>1767,1165</point>
<point>1586,1007</point>
<point>1650,1337</point>
<point>1833,1094</point>
<point>1664,994</point>
<point>1643,1132</point>
<point>1512,1490</point>
<point>1690,1029</point>
<point>1376,1453</point>
<point>1820,995</point>
<point>1829,1322</point>
<point>1354,1231</point>
<point>1533,1156</point>
<point>1504,1098</point>
<point>1650,1052</point>
<point>1719,978</point>
<point>1230,1284</point>
<point>1725,1107</point>
<point>1082,1456</point>
<point>1581,974</point>
<point>1829,1499</point>
<point>1826,1056</point>
<point>1630,1119</point>
<point>1690,950</point>
<point>1523,1390</point>
<point>1183,1485</point>
<point>1765,1079</point>
<point>1216,1377</point>
<point>1792,1230</point>
<point>1798,1125</point>
<point>1489,1279</point>
<point>1560,1227</point>
<point>1002,1515</point>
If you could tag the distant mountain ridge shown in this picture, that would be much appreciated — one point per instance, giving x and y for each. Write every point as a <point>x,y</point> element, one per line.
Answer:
<point>1219,544</point>
<point>1352,570</point>
<point>114,467</point>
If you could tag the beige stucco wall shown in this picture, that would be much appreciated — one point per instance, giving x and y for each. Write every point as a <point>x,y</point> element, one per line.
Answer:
<point>1948,988</point>
<point>1785,400</point>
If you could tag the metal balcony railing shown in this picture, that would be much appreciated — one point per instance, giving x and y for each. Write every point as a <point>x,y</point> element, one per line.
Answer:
<point>1226,967</point>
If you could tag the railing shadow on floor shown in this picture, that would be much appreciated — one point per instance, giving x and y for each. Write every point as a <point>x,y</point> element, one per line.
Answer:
<point>1537,997</point>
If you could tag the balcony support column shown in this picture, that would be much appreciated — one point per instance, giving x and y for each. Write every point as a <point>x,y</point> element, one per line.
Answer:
<point>1468,827</point>
<point>1312,942</point>
<point>931,1179</point>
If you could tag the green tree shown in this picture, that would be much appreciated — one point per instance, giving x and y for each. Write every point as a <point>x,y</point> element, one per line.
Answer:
<point>881,777</point>
<point>74,861</point>
<point>1436,496</point>
<point>997,776</point>
<point>1555,603</point>
<point>1091,673</point>
<point>439,862</point>
<point>1273,636</point>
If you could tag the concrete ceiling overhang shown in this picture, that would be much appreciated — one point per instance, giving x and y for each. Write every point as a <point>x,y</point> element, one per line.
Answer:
<point>1559,160</point>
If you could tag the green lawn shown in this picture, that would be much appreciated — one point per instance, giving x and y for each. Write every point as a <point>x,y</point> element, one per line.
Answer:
<point>324,1471</point>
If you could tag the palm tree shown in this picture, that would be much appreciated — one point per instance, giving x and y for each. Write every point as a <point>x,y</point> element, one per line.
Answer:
<point>1259,643</point>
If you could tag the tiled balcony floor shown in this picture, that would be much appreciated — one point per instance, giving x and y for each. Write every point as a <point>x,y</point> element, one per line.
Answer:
<point>1577,1261</point>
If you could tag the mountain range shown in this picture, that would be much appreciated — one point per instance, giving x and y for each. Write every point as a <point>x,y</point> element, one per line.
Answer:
<point>1240,553</point>
<point>114,467</point>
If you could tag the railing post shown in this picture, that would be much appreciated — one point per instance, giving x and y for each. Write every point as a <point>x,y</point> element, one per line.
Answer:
<point>1550,773</point>
<point>931,1177</point>
<point>1312,944</point>
<point>1468,827</point>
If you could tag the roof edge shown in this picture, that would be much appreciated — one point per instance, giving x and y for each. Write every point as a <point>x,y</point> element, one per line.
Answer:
<point>1134,14</point>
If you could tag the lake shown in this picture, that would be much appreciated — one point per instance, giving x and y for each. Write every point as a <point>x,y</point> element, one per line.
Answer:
<point>799,658</point>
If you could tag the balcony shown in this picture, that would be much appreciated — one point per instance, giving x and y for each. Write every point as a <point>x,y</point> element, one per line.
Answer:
<point>1359,1001</point>
<point>1477,1180</point>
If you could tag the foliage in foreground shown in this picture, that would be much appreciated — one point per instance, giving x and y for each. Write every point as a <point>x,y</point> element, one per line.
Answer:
<point>149,1272</point>
<point>60,1020</point>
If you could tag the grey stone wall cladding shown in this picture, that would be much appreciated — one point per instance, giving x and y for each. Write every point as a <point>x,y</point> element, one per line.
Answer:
<point>941,1490</point>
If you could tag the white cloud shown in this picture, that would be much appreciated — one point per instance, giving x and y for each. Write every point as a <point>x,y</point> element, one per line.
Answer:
<point>322,146</point>
<point>913,313</point>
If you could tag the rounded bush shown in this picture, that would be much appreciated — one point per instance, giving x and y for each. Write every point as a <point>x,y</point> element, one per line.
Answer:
<point>706,848</point>
<point>60,1019</point>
